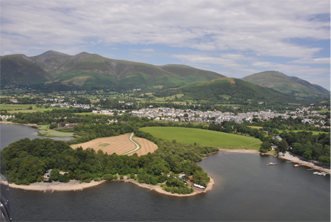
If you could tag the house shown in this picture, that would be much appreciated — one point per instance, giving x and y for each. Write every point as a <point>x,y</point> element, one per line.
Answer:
<point>277,137</point>
<point>47,175</point>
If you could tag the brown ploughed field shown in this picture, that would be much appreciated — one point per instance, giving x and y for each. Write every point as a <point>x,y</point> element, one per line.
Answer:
<point>119,145</point>
<point>146,146</point>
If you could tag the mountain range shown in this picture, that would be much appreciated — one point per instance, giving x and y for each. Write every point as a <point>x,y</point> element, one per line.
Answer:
<point>89,71</point>
<point>58,71</point>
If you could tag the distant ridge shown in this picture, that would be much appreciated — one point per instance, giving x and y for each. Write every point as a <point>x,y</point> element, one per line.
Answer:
<point>87,71</point>
<point>290,85</point>
<point>226,90</point>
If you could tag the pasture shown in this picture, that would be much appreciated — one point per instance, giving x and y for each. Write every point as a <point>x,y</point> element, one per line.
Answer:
<point>204,137</point>
<point>24,108</point>
<point>44,131</point>
<point>255,127</point>
<point>296,131</point>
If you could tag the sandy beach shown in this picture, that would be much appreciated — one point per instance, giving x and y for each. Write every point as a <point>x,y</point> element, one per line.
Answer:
<point>75,185</point>
<point>159,189</point>
<point>295,159</point>
<point>237,151</point>
<point>72,185</point>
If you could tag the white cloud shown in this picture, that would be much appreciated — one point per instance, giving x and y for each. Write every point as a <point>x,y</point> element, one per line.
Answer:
<point>259,26</point>
<point>312,61</point>
<point>220,33</point>
<point>292,69</point>
<point>147,50</point>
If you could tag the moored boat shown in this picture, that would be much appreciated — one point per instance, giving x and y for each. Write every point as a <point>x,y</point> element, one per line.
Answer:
<point>272,164</point>
<point>320,173</point>
<point>297,165</point>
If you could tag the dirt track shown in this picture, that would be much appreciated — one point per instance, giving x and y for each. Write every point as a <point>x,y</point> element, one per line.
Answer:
<point>146,146</point>
<point>119,145</point>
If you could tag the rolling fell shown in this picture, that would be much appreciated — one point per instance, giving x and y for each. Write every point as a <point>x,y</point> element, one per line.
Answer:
<point>290,85</point>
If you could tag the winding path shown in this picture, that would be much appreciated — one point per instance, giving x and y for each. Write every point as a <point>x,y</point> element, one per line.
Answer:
<point>137,146</point>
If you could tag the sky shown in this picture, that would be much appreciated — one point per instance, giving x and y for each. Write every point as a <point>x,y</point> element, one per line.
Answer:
<point>233,38</point>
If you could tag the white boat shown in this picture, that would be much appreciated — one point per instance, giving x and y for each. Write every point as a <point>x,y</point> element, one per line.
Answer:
<point>320,173</point>
<point>272,164</point>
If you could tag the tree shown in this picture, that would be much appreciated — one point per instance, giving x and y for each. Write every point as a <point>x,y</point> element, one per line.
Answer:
<point>283,146</point>
<point>265,147</point>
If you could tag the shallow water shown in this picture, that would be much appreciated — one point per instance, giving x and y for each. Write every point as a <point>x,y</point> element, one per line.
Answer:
<point>246,189</point>
<point>11,133</point>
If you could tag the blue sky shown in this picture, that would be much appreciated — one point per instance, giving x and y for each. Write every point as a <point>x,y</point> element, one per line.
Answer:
<point>233,38</point>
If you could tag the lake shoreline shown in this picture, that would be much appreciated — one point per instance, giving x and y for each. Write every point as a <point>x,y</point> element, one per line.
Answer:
<point>237,151</point>
<point>27,124</point>
<point>295,159</point>
<point>75,185</point>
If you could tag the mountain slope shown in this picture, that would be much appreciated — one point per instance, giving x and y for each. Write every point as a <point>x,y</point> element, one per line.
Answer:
<point>291,85</point>
<point>190,73</point>
<point>228,89</point>
<point>50,60</point>
<point>17,69</point>
<point>87,71</point>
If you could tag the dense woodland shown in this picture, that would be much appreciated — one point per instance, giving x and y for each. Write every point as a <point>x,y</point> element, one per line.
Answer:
<point>290,124</point>
<point>311,147</point>
<point>27,160</point>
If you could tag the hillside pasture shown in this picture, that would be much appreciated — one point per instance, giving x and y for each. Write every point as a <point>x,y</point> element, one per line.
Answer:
<point>204,137</point>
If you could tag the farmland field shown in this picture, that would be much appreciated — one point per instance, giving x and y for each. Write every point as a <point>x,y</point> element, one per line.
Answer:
<point>146,146</point>
<point>204,137</point>
<point>44,131</point>
<point>255,127</point>
<point>296,131</point>
<point>119,145</point>
<point>24,108</point>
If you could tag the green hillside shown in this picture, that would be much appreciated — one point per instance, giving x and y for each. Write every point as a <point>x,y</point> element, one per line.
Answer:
<point>18,69</point>
<point>190,73</point>
<point>290,85</point>
<point>87,71</point>
<point>225,89</point>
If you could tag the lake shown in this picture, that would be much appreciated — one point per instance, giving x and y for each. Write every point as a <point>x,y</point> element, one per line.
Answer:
<point>246,189</point>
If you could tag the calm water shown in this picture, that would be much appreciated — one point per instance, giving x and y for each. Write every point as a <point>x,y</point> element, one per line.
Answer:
<point>12,133</point>
<point>246,189</point>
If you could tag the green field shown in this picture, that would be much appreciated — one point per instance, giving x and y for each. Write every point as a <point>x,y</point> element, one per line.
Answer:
<point>204,137</point>
<point>296,131</point>
<point>104,144</point>
<point>44,131</point>
<point>24,108</point>
<point>255,127</point>
<point>88,114</point>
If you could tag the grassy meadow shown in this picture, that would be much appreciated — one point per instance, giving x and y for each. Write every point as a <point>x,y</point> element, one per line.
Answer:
<point>296,131</point>
<point>24,108</point>
<point>255,127</point>
<point>44,131</point>
<point>204,137</point>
